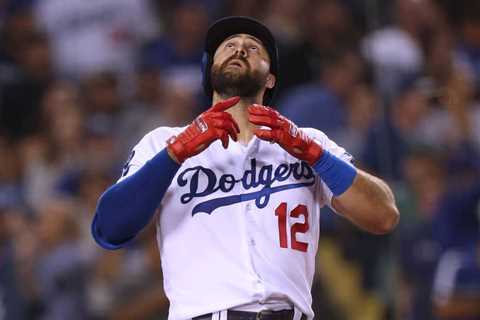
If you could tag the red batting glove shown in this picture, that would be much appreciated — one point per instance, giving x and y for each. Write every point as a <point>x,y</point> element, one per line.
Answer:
<point>209,126</point>
<point>285,133</point>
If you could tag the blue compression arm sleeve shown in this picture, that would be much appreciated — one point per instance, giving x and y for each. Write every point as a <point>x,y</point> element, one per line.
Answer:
<point>337,174</point>
<point>127,206</point>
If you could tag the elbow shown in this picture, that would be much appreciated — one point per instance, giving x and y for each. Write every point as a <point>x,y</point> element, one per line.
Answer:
<point>107,235</point>
<point>390,220</point>
<point>105,240</point>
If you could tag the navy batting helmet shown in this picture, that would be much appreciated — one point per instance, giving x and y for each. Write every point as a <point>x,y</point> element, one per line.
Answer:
<point>225,27</point>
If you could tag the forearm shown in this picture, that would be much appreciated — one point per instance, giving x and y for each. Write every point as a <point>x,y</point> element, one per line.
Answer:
<point>127,207</point>
<point>364,199</point>
<point>369,203</point>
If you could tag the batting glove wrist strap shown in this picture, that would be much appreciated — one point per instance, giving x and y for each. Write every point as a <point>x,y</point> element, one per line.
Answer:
<point>211,125</point>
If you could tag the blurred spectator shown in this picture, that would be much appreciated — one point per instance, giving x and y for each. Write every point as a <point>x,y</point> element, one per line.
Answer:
<point>327,29</point>
<point>363,109</point>
<point>104,105</point>
<point>25,64</point>
<point>457,285</point>
<point>330,26</point>
<point>397,51</point>
<point>142,107</point>
<point>285,19</point>
<point>16,27</point>
<point>453,119</point>
<point>53,159</point>
<point>102,94</point>
<point>140,294</point>
<point>418,249</point>
<point>458,210</point>
<point>60,272</point>
<point>20,252</point>
<point>159,102</point>
<point>63,120</point>
<point>390,138</point>
<point>178,52</point>
<point>11,191</point>
<point>12,301</point>
<point>322,105</point>
<point>102,279</point>
<point>436,111</point>
<point>179,103</point>
<point>91,186</point>
<point>101,150</point>
<point>128,284</point>
<point>89,37</point>
<point>468,49</point>
<point>250,8</point>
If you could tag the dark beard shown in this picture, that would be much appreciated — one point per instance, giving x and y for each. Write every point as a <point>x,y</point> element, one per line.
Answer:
<point>232,83</point>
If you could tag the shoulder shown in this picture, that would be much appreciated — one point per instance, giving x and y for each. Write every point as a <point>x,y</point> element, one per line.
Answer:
<point>152,143</point>
<point>161,132</point>
<point>156,139</point>
<point>317,134</point>
<point>328,144</point>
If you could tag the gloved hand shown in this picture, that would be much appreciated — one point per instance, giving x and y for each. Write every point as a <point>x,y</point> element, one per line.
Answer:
<point>285,133</point>
<point>209,126</point>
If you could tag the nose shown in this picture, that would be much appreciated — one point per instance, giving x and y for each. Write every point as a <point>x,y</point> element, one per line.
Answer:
<point>241,51</point>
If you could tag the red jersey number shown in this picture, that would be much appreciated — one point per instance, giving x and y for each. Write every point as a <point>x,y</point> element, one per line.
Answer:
<point>281,213</point>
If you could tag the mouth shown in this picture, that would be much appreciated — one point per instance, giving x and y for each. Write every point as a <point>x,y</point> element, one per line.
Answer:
<point>235,63</point>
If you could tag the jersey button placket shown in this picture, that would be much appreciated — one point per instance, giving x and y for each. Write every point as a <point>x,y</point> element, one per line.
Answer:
<point>249,206</point>
<point>255,217</point>
<point>249,210</point>
<point>250,223</point>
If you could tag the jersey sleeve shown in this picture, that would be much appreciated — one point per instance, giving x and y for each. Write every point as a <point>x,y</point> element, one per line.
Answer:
<point>152,143</point>
<point>336,150</point>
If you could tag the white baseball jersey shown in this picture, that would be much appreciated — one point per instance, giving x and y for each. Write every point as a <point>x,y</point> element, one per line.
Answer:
<point>238,227</point>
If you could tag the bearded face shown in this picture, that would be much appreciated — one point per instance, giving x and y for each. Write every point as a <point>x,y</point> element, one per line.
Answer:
<point>236,77</point>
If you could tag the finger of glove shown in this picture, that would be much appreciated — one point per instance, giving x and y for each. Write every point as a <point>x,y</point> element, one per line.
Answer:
<point>225,104</point>
<point>264,134</point>
<point>224,116</point>
<point>262,110</point>
<point>227,126</point>
<point>263,121</point>
<point>224,138</point>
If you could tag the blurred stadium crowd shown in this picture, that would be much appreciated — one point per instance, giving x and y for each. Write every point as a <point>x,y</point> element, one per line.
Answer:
<point>395,82</point>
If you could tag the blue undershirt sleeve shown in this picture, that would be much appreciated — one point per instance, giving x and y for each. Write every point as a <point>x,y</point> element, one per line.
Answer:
<point>125,208</point>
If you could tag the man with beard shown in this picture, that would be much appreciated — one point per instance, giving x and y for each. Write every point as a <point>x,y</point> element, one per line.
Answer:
<point>239,192</point>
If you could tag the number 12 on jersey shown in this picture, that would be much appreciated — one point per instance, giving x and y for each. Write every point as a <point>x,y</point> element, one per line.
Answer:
<point>281,213</point>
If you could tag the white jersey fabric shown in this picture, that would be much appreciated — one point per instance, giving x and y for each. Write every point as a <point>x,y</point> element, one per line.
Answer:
<point>238,226</point>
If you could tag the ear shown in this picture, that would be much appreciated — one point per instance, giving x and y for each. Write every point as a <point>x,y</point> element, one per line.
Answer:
<point>271,80</point>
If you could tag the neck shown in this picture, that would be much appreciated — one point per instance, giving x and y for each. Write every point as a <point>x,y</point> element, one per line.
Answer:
<point>239,113</point>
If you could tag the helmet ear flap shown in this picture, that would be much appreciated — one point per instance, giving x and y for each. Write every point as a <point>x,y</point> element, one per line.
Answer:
<point>206,66</point>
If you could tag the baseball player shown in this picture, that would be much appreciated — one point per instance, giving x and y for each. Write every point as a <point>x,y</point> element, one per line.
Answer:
<point>239,192</point>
